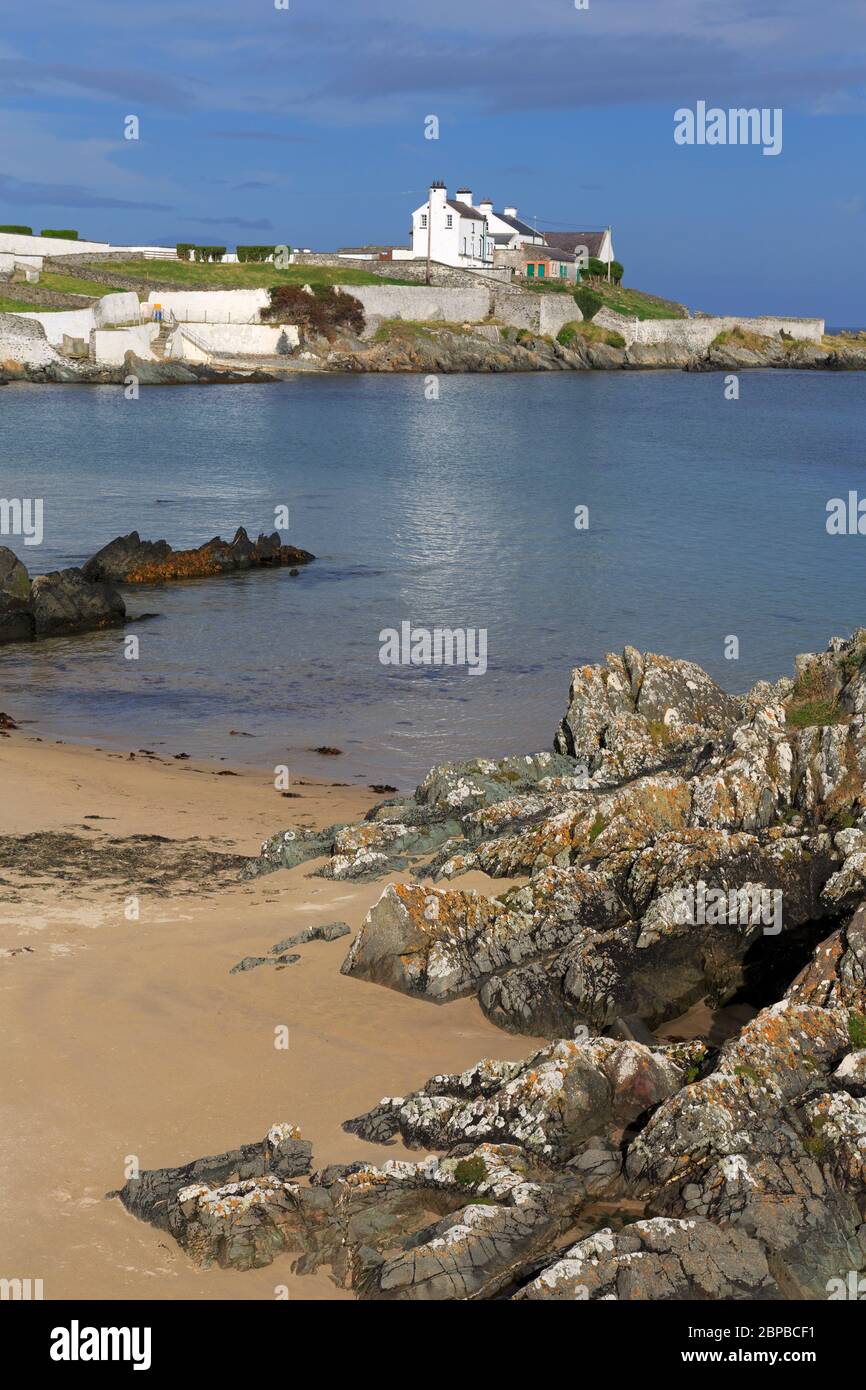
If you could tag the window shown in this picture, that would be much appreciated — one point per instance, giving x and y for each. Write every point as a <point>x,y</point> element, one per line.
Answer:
<point>563,270</point>
<point>423,219</point>
<point>449,220</point>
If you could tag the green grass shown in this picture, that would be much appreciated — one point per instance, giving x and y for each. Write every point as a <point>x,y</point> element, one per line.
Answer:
<point>591,332</point>
<point>14,306</point>
<point>251,275</point>
<point>73,284</point>
<point>802,716</point>
<point>857,1030</point>
<point>470,1171</point>
<point>637,304</point>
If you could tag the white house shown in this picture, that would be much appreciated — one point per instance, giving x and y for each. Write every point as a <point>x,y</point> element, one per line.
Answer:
<point>454,231</point>
<point>451,229</point>
<point>506,230</point>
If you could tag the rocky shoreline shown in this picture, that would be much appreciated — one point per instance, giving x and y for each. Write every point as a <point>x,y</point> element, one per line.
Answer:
<point>619,1160</point>
<point>479,348</point>
<point>85,599</point>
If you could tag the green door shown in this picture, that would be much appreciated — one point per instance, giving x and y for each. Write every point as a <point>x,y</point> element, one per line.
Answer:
<point>541,272</point>
<point>530,271</point>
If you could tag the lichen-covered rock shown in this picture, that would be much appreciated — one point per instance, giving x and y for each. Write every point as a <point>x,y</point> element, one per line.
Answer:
<point>130,560</point>
<point>658,1260</point>
<point>738,1148</point>
<point>836,974</point>
<point>162,1196</point>
<point>549,1104</point>
<point>641,712</point>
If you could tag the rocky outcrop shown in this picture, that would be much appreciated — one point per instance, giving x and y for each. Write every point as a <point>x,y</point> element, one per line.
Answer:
<point>551,1104</point>
<point>130,560</point>
<point>657,1260</point>
<point>53,604</point>
<point>683,846</point>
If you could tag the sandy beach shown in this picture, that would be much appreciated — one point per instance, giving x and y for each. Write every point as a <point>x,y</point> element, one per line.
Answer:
<point>124,1037</point>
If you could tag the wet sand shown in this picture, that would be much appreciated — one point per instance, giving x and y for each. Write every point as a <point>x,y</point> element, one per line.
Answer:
<point>128,1037</point>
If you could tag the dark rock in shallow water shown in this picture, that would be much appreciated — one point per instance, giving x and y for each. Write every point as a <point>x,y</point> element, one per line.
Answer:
<point>64,601</point>
<point>17,623</point>
<point>14,579</point>
<point>130,560</point>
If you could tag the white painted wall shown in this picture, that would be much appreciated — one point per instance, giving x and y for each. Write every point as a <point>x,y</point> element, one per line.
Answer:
<point>78,323</point>
<point>210,306</point>
<point>202,341</point>
<point>109,346</point>
<point>47,245</point>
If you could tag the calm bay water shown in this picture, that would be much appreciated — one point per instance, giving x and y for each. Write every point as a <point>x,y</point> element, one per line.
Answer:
<point>706,519</point>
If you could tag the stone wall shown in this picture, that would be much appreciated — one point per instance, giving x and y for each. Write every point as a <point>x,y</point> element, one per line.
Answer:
<point>422,302</point>
<point>443,275</point>
<point>544,313</point>
<point>695,335</point>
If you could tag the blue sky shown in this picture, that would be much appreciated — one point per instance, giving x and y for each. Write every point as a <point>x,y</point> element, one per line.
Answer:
<point>306,126</point>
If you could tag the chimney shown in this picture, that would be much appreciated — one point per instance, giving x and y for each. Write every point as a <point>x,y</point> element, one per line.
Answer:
<point>509,212</point>
<point>438,195</point>
<point>464,195</point>
<point>486,207</point>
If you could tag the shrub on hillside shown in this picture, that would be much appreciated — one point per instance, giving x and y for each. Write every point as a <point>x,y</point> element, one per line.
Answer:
<point>565,334</point>
<point>597,270</point>
<point>255,253</point>
<point>18,231</point>
<point>588,301</point>
<point>325,311</point>
<point>65,233</point>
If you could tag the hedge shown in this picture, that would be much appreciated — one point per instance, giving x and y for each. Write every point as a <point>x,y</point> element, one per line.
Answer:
<point>255,253</point>
<point>183,249</point>
<point>65,233</point>
<point>209,253</point>
<point>18,231</point>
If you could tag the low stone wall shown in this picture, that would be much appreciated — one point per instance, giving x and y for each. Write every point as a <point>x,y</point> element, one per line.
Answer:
<point>42,298</point>
<point>96,268</point>
<point>109,346</point>
<point>421,303</point>
<point>207,340</point>
<point>695,335</point>
<point>446,276</point>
